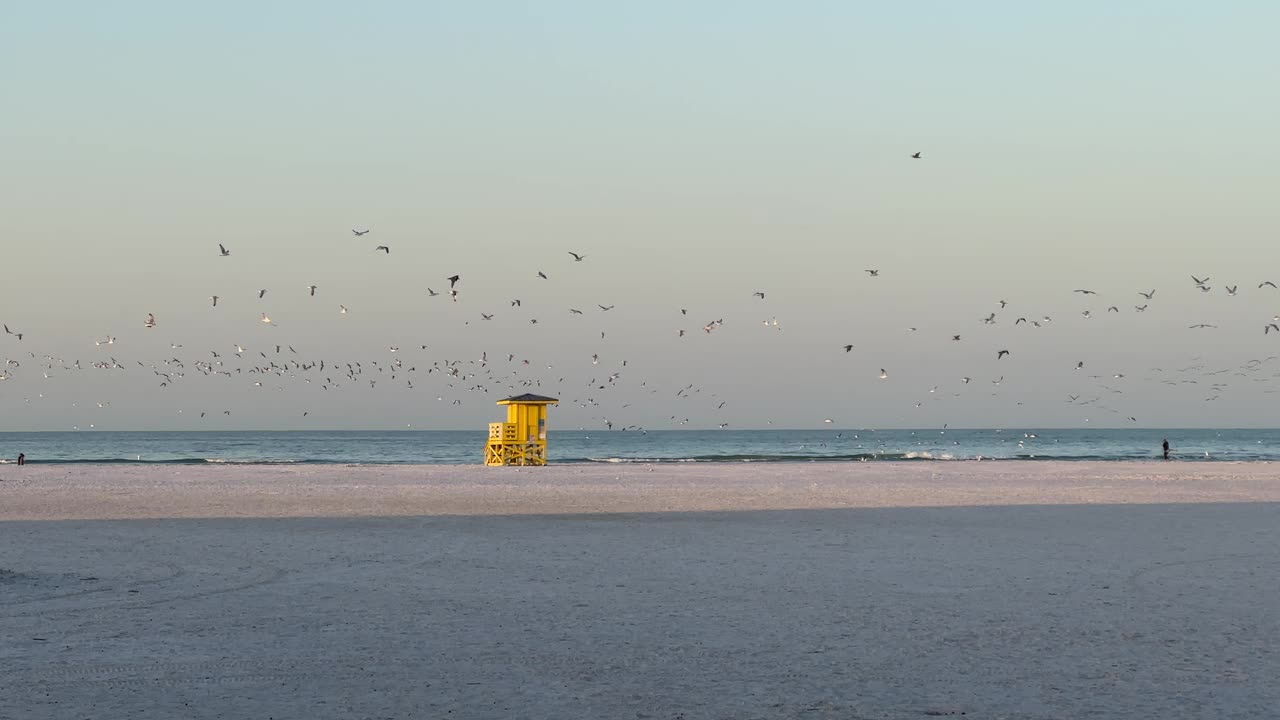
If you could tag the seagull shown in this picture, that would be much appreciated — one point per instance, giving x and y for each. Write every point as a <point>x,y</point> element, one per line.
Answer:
<point>1201,325</point>
<point>916,156</point>
<point>1266,329</point>
<point>266,320</point>
<point>577,257</point>
<point>848,348</point>
<point>486,317</point>
<point>1113,308</point>
<point>606,309</point>
<point>222,251</point>
<point>873,273</point>
<point>1087,314</point>
<point>758,294</point>
<point>543,275</point>
<point>515,303</point>
<point>359,233</point>
<point>1140,308</point>
<point>1019,320</point>
<point>966,380</point>
<point>990,319</point>
<point>955,338</point>
<point>262,294</point>
<point>383,248</point>
<point>1086,292</point>
<point>1001,353</point>
<point>884,374</point>
<point>431,293</point>
<point>1204,288</point>
<point>1231,289</point>
<point>342,309</point>
<point>312,289</point>
<point>1265,284</point>
<point>1147,295</point>
<point>1080,365</point>
<point>1198,281</point>
<point>214,298</point>
<point>150,321</point>
<point>453,280</point>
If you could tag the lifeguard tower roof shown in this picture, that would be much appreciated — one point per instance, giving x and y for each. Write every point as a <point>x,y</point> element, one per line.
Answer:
<point>528,398</point>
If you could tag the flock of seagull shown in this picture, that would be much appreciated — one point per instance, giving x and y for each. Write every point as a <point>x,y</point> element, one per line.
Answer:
<point>276,364</point>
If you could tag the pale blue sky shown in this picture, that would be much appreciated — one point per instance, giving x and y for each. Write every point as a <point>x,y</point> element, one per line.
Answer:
<point>696,152</point>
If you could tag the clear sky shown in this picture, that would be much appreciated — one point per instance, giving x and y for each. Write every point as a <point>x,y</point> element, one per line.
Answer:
<point>695,153</point>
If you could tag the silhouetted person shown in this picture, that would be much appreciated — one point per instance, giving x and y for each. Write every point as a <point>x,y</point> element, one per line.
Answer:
<point>1165,446</point>
<point>22,459</point>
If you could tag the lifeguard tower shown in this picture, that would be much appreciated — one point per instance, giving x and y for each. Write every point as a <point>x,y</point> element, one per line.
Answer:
<point>522,439</point>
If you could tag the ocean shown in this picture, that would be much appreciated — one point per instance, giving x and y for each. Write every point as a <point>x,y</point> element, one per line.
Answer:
<point>465,447</point>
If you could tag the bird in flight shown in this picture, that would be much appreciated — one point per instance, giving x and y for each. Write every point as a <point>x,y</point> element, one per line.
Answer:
<point>262,294</point>
<point>312,289</point>
<point>916,156</point>
<point>1202,325</point>
<point>1204,288</point>
<point>1231,289</point>
<point>1198,281</point>
<point>884,374</point>
<point>758,294</point>
<point>386,250</point>
<point>486,317</point>
<point>10,332</point>
<point>342,309</point>
<point>577,257</point>
<point>1265,284</point>
<point>848,348</point>
<point>150,322</point>
<point>1147,295</point>
<point>873,273</point>
<point>214,298</point>
<point>606,309</point>
<point>1086,292</point>
<point>1266,329</point>
<point>542,275</point>
<point>266,320</point>
<point>431,293</point>
<point>1140,308</point>
<point>574,311</point>
<point>359,233</point>
<point>1001,353</point>
<point>223,251</point>
<point>515,303</point>
<point>453,280</point>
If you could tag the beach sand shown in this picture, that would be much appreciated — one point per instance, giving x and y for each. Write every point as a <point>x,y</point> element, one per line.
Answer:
<point>906,590</point>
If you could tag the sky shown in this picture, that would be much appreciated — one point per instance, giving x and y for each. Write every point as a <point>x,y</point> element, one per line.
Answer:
<point>695,153</point>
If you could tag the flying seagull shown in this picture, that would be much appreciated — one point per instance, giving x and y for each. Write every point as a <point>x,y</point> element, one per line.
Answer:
<point>848,348</point>
<point>1198,281</point>
<point>1231,289</point>
<point>873,273</point>
<point>1085,292</point>
<point>1147,295</point>
<point>542,275</point>
<point>431,293</point>
<point>222,251</point>
<point>214,298</point>
<point>577,257</point>
<point>262,293</point>
<point>758,294</point>
<point>606,309</point>
<point>453,280</point>
<point>383,248</point>
<point>312,288</point>
<point>150,322</point>
<point>1265,284</point>
<point>1001,353</point>
<point>359,233</point>
<point>916,156</point>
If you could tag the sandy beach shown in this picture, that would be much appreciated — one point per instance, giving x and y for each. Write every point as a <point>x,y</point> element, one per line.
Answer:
<point>906,590</point>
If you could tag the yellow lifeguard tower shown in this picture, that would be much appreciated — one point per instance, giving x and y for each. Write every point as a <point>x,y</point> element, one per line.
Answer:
<point>522,439</point>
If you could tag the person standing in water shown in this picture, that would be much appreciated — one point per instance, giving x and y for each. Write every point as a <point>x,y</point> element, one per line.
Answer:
<point>1165,446</point>
<point>22,459</point>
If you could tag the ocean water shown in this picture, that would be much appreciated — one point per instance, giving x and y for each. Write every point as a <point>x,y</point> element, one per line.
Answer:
<point>466,447</point>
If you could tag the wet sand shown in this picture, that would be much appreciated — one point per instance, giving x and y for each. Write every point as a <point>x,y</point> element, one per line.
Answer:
<point>1000,590</point>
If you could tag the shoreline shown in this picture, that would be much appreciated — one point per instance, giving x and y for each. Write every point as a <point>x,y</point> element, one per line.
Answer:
<point>231,490</point>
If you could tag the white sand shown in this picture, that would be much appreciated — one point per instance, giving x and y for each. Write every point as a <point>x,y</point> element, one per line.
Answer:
<point>1001,590</point>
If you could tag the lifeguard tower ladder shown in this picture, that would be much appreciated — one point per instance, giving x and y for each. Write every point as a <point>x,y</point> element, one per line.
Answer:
<point>522,439</point>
